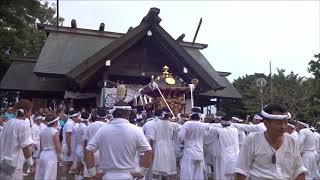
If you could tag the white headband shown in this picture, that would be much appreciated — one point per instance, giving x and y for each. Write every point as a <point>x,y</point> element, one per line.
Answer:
<point>120,107</point>
<point>227,123</point>
<point>292,126</point>
<point>50,122</point>
<point>86,119</point>
<point>39,117</point>
<point>75,114</point>
<point>304,124</point>
<point>257,117</point>
<point>275,117</point>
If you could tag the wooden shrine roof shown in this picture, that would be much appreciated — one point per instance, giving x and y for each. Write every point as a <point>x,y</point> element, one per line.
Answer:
<point>78,53</point>
<point>19,76</point>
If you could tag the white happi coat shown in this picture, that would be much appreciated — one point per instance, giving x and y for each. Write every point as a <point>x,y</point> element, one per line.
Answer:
<point>229,150</point>
<point>295,136</point>
<point>90,132</point>
<point>117,143</point>
<point>211,146</point>
<point>241,137</point>
<point>68,127</point>
<point>164,162</point>
<point>255,159</point>
<point>308,148</point>
<point>149,128</point>
<point>149,131</point>
<point>36,138</point>
<point>317,135</point>
<point>16,135</point>
<point>79,135</point>
<point>47,163</point>
<point>192,162</point>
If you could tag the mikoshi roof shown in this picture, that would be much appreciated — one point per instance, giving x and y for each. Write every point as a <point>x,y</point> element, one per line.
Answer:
<point>78,53</point>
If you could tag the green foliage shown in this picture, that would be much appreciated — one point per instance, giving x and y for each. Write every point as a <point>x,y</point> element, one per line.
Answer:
<point>315,66</point>
<point>299,94</point>
<point>18,28</point>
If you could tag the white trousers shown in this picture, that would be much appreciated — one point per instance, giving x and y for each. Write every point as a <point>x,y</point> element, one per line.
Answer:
<point>191,169</point>
<point>64,153</point>
<point>47,166</point>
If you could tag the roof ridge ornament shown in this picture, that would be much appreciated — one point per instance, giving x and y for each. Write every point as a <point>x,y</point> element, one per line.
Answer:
<point>152,16</point>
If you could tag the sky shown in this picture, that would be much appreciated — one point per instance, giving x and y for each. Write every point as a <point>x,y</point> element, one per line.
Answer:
<point>242,36</point>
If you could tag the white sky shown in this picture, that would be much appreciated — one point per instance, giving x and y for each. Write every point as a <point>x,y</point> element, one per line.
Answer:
<point>243,36</point>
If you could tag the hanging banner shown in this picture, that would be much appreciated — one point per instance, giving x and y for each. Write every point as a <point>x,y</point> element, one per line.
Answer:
<point>110,95</point>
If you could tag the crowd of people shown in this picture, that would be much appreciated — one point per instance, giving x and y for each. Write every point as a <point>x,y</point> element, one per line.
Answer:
<point>119,144</point>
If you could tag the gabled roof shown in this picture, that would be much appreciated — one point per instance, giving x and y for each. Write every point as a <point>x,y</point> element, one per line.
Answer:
<point>19,76</point>
<point>84,70</point>
<point>229,92</point>
<point>64,51</point>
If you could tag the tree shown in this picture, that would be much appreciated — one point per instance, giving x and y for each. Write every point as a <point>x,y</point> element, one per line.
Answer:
<point>18,28</point>
<point>292,90</point>
<point>315,66</point>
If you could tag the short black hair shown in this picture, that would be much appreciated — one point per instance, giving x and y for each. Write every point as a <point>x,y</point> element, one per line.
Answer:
<point>157,112</point>
<point>227,117</point>
<point>196,109</point>
<point>102,112</point>
<point>121,113</point>
<point>275,108</point>
<point>195,116</point>
<point>85,115</point>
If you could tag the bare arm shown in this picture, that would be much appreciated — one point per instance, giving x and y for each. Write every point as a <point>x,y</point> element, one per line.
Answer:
<point>89,158</point>
<point>57,145</point>
<point>301,176</point>
<point>68,141</point>
<point>146,159</point>
<point>26,152</point>
<point>239,176</point>
<point>85,142</point>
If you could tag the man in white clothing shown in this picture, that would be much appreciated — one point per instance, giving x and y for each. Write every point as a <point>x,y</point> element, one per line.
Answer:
<point>272,154</point>
<point>291,129</point>
<point>308,149</point>
<point>164,162</point>
<point>98,121</point>
<point>241,134</point>
<point>15,139</point>
<point>149,131</point>
<point>117,143</point>
<point>68,143</point>
<point>192,133</point>
<point>79,151</point>
<point>229,149</point>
